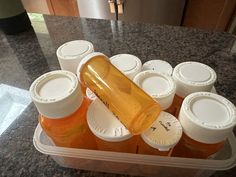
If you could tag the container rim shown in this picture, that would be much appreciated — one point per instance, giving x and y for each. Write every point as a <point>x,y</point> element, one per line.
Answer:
<point>178,162</point>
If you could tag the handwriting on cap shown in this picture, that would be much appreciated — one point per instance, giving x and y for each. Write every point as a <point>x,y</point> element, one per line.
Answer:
<point>165,126</point>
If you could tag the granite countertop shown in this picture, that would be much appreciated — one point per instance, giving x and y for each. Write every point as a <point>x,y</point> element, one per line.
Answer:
<point>26,56</point>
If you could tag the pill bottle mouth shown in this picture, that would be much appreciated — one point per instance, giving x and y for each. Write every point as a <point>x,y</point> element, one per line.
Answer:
<point>145,119</point>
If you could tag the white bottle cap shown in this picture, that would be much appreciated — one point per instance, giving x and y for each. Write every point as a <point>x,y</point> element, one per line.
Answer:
<point>159,66</point>
<point>104,124</point>
<point>193,77</point>
<point>90,94</point>
<point>56,94</point>
<point>159,86</point>
<point>128,64</point>
<point>207,117</point>
<point>86,59</point>
<point>164,134</point>
<point>71,53</point>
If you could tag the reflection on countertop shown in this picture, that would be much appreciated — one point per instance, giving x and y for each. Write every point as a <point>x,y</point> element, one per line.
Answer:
<point>26,56</point>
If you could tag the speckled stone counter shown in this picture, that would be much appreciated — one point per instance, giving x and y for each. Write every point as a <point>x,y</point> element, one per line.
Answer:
<point>26,56</point>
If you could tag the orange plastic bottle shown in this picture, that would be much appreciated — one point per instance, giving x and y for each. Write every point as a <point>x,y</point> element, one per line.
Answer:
<point>159,86</point>
<point>62,108</point>
<point>163,135</point>
<point>191,77</point>
<point>111,134</point>
<point>130,104</point>
<point>207,120</point>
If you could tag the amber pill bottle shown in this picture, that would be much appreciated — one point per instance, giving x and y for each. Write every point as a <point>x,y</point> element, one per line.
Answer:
<point>129,103</point>
<point>62,107</point>
<point>207,120</point>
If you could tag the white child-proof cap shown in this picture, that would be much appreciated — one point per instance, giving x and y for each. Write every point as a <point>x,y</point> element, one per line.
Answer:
<point>104,124</point>
<point>207,117</point>
<point>159,66</point>
<point>71,53</point>
<point>165,132</point>
<point>130,65</point>
<point>159,86</point>
<point>193,77</point>
<point>56,94</point>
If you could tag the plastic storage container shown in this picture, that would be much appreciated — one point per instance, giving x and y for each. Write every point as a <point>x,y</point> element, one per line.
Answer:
<point>136,164</point>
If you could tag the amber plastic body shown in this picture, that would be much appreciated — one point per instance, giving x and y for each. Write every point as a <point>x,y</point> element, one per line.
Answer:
<point>71,131</point>
<point>190,148</point>
<point>171,110</point>
<point>129,145</point>
<point>130,104</point>
<point>144,148</point>
<point>176,105</point>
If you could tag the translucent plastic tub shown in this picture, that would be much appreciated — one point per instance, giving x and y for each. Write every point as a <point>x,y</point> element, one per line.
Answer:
<point>136,164</point>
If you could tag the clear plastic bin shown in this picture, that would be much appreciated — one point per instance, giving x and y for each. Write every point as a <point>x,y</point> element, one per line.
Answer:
<point>136,164</point>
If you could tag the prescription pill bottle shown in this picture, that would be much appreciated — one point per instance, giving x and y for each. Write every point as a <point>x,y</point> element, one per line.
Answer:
<point>159,66</point>
<point>71,53</point>
<point>191,77</point>
<point>163,135</point>
<point>129,65</point>
<point>129,103</point>
<point>159,86</point>
<point>207,120</point>
<point>111,134</point>
<point>62,108</point>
